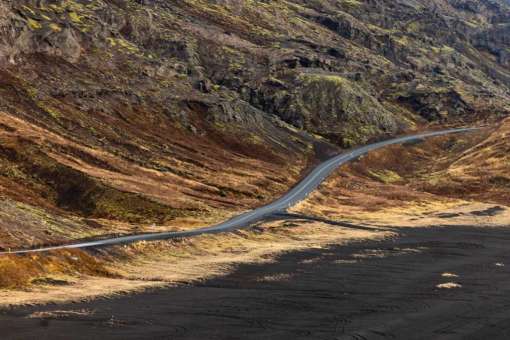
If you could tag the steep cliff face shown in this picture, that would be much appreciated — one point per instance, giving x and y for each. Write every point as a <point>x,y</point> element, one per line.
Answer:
<point>151,110</point>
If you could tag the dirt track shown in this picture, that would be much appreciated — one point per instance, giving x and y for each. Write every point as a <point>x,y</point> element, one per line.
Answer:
<point>366,290</point>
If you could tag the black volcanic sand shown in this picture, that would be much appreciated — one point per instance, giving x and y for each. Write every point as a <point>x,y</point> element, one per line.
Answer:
<point>389,292</point>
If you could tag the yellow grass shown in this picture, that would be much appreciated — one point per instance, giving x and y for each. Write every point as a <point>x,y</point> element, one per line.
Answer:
<point>161,264</point>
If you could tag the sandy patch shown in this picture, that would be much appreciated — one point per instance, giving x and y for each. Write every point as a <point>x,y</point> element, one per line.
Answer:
<point>311,261</point>
<point>372,253</point>
<point>346,261</point>
<point>82,289</point>
<point>61,314</point>
<point>275,278</point>
<point>449,275</point>
<point>418,214</point>
<point>449,285</point>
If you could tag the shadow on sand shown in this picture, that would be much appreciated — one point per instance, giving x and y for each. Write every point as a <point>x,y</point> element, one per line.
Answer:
<point>301,217</point>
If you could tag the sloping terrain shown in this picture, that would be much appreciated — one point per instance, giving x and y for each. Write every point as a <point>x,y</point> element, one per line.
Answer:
<point>444,176</point>
<point>480,173</point>
<point>123,116</point>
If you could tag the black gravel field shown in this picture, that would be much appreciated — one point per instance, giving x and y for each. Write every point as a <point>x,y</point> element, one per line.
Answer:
<point>365,290</point>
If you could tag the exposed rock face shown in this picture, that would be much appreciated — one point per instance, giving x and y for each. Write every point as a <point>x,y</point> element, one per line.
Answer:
<point>240,46</point>
<point>23,33</point>
<point>7,33</point>
<point>372,62</point>
<point>342,110</point>
<point>330,105</point>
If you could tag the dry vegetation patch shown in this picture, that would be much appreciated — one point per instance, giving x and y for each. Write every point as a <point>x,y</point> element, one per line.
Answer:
<point>381,189</point>
<point>143,265</point>
<point>480,172</point>
<point>412,184</point>
<point>48,269</point>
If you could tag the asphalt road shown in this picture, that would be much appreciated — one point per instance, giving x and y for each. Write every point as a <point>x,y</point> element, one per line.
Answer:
<point>295,195</point>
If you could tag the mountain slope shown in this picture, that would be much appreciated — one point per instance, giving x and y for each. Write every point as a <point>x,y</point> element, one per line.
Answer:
<point>121,116</point>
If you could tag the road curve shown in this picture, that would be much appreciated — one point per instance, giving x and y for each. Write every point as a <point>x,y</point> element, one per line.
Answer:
<point>295,195</point>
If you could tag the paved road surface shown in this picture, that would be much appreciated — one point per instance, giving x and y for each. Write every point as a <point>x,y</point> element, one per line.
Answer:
<point>295,195</point>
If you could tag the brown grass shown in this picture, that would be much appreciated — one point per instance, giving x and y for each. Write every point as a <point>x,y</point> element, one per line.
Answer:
<point>23,271</point>
<point>387,187</point>
<point>143,265</point>
<point>56,189</point>
<point>480,173</point>
<point>445,170</point>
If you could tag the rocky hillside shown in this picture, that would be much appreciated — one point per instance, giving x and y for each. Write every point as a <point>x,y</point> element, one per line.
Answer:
<point>121,112</point>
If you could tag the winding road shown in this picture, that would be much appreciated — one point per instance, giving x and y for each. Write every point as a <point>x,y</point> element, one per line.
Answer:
<point>295,195</point>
